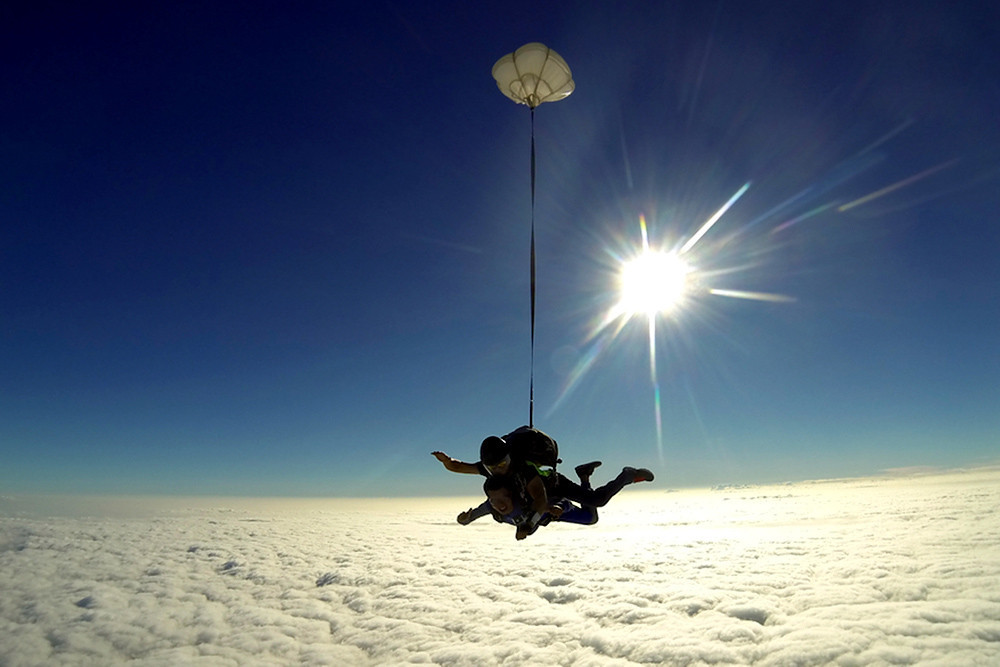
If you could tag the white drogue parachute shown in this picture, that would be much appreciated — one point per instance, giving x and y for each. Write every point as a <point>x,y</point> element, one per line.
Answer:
<point>533,74</point>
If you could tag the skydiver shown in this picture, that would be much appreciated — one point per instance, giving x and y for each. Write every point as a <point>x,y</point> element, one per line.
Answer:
<point>497,458</point>
<point>538,483</point>
<point>560,488</point>
<point>507,505</point>
<point>583,471</point>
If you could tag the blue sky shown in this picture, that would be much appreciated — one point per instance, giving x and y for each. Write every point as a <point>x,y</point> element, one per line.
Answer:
<point>283,250</point>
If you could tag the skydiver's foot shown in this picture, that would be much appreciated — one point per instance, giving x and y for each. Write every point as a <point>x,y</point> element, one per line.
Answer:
<point>637,475</point>
<point>585,470</point>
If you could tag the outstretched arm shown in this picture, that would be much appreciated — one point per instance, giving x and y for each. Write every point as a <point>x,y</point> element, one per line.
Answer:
<point>470,515</point>
<point>455,465</point>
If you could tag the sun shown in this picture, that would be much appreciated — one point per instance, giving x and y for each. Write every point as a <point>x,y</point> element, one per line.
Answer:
<point>663,287</point>
<point>654,282</point>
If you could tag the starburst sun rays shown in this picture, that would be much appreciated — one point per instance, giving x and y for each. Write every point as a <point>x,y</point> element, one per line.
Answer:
<point>655,283</point>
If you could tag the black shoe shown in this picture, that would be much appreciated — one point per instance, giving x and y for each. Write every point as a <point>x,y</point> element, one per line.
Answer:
<point>585,470</point>
<point>637,475</point>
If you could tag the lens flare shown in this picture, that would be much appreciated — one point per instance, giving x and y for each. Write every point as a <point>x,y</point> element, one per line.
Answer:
<point>675,283</point>
<point>659,283</point>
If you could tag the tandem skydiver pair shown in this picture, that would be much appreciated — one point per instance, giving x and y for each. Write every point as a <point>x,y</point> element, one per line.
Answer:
<point>524,489</point>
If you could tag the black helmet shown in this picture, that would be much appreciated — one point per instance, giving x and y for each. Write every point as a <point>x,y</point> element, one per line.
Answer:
<point>493,450</point>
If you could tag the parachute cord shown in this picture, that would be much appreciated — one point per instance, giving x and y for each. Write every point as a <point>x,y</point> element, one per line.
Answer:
<point>531,390</point>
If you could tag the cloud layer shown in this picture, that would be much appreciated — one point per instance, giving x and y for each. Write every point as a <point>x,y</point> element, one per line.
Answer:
<point>886,571</point>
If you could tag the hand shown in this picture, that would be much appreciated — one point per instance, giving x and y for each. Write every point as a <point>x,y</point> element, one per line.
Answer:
<point>441,456</point>
<point>463,518</point>
<point>555,511</point>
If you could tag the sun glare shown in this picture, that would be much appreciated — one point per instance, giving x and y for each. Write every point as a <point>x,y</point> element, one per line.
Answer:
<point>659,284</point>
<point>654,282</point>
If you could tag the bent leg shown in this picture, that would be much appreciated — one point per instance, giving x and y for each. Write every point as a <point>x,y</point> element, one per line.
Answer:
<point>584,472</point>
<point>566,488</point>
<point>600,496</point>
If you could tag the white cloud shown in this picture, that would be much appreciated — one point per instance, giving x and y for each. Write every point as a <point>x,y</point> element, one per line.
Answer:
<point>890,571</point>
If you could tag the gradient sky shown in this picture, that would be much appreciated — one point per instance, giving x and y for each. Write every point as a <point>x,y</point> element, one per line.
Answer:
<point>257,249</point>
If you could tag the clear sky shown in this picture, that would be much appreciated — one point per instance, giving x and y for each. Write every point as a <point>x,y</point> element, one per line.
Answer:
<point>282,249</point>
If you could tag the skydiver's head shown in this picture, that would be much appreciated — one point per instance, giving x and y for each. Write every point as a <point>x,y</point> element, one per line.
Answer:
<point>495,455</point>
<point>499,494</point>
